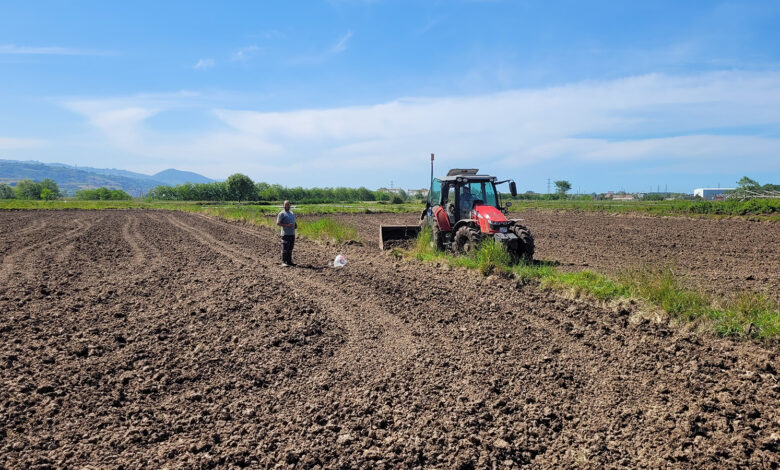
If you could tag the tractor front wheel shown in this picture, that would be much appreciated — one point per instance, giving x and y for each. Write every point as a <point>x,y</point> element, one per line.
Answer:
<point>525,243</point>
<point>466,239</point>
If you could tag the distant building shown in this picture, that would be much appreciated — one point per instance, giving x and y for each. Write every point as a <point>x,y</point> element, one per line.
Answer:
<point>390,190</point>
<point>623,197</point>
<point>711,193</point>
<point>415,192</point>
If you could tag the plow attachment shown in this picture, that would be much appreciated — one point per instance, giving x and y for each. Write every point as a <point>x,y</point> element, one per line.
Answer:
<point>390,235</point>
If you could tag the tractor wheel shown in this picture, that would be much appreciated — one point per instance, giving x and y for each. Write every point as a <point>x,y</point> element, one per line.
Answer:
<point>437,238</point>
<point>466,239</point>
<point>525,243</point>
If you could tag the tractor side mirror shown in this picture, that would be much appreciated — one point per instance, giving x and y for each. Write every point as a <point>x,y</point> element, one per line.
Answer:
<point>512,188</point>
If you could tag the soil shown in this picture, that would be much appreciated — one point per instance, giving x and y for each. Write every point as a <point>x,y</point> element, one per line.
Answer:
<point>150,339</point>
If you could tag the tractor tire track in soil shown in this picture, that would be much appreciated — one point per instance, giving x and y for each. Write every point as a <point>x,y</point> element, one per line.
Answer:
<point>176,340</point>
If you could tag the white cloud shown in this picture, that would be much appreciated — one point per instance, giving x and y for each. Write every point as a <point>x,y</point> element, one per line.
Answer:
<point>48,50</point>
<point>204,64</point>
<point>727,120</point>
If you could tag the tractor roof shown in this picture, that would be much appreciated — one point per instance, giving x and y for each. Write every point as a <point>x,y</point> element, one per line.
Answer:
<point>469,174</point>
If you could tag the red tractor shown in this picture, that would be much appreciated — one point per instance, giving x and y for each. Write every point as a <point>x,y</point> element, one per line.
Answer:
<point>463,208</point>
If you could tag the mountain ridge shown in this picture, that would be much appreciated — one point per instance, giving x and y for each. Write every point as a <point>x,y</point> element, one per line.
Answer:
<point>72,178</point>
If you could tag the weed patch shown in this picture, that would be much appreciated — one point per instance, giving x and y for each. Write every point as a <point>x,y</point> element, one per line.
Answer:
<point>326,228</point>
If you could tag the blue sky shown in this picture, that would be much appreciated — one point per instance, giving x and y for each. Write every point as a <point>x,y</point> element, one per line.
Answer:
<point>608,95</point>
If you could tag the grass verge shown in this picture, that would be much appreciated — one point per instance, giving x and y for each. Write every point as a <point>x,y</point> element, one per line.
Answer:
<point>748,314</point>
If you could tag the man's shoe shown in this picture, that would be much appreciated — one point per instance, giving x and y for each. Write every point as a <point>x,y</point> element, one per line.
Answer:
<point>291,264</point>
<point>285,265</point>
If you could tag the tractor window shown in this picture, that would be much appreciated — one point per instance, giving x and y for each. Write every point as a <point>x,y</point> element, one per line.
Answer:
<point>490,195</point>
<point>434,196</point>
<point>476,191</point>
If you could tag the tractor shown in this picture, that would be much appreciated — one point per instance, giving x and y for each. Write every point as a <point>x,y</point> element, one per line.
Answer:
<point>463,209</point>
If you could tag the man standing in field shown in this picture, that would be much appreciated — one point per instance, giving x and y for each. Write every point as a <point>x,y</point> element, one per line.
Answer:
<point>286,220</point>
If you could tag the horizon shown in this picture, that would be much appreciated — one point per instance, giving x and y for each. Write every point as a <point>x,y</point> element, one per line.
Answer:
<point>360,93</point>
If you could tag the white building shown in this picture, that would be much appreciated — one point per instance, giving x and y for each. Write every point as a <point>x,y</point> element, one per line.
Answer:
<point>415,192</point>
<point>711,193</point>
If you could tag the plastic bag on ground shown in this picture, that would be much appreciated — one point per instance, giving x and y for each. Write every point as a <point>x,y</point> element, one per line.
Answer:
<point>340,261</point>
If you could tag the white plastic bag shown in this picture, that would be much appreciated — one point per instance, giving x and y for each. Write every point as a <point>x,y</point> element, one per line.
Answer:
<point>340,261</point>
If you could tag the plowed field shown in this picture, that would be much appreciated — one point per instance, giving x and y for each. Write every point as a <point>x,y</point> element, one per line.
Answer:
<point>142,339</point>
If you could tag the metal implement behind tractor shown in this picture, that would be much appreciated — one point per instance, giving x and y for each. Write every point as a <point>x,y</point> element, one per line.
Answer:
<point>463,209</point>
<point>390,235</point>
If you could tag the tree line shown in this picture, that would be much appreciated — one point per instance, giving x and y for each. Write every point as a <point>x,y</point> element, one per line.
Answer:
<point>27,189</point>
<point>240,187</point>
<point>47,190</point>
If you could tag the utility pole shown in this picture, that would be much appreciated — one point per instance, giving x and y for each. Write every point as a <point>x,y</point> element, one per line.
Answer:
<point>429,185</point>
<point>548,185</point>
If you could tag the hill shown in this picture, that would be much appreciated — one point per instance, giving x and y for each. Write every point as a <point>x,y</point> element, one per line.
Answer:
<point>70,178</point>
<point>174,177</point>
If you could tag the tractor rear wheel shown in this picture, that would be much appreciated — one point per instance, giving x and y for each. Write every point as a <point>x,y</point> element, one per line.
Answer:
<point>525,243</point>
<point>466,239</point>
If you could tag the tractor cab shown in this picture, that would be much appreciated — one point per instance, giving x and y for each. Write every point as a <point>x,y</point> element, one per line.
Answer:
<point>462,190</point>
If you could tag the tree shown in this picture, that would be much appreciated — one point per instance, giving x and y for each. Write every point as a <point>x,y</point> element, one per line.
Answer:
<point>240,187</point>
<point>747,183</point>
<point>51,186</point>
<point>48,195</point>
<point>6,192</point>
<point>28,189</point>
<point>562,187</point>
